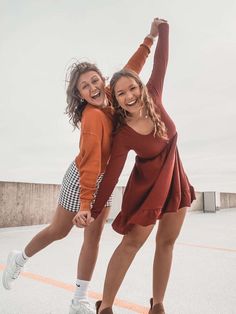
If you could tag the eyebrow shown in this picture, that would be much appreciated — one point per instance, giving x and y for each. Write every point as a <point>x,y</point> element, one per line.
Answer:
<point>94,76</point>
<point>121,90</point>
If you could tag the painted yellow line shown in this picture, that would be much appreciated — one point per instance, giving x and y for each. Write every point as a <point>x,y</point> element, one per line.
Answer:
<point>94,295</point>
<point>207,247</point>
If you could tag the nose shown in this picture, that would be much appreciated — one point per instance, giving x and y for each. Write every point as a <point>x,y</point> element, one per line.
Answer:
<point>93,88</point>
<point>129,96</point>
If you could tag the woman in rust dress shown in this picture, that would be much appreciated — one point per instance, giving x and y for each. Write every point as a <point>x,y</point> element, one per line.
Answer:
<point>158,187</point>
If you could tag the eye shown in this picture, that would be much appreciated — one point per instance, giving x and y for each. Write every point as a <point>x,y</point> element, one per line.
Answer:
<point>133,88</point>
<point>120,94</point>
<point>84,86</point>
<point>94,81</point>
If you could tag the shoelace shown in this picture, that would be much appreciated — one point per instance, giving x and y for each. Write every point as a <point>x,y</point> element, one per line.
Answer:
<point>17,271</point>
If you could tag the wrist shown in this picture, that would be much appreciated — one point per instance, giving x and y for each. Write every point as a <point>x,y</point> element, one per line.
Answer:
<point>151,37</point>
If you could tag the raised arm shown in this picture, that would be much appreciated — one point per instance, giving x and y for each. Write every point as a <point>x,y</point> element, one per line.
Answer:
<point>156,81</point>
<point>137,61</point>
<point>114,168</point>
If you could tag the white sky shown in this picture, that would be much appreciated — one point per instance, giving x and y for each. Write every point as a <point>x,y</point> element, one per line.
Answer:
<point>40,39</point>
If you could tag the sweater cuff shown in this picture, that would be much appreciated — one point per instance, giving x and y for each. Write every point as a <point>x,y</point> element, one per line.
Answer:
<point>85,205</point>
<point>148,42</point>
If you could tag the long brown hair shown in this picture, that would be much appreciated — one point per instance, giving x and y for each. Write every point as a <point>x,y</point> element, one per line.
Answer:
<point>121,115</point>
<point>76,105</point>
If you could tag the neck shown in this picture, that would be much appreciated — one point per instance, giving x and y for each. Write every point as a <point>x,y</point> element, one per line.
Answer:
<point>106,102</point>
<point>139,115</point>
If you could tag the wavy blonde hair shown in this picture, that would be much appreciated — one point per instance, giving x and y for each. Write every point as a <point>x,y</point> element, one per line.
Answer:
<point>122,115</point>
<point>76,105</point>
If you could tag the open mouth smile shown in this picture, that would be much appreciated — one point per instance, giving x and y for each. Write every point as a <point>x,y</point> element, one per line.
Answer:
<point>131,103</point>
<point>96,95</point>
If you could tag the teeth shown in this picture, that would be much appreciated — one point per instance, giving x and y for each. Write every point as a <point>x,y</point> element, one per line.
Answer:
<point>96,94</point>
<point>132,102</point>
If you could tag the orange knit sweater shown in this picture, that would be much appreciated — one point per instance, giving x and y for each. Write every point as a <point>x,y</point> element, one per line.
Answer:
<point>96,136</point>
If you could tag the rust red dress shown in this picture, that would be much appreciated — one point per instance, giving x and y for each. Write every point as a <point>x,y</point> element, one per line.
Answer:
<point>158,183</point>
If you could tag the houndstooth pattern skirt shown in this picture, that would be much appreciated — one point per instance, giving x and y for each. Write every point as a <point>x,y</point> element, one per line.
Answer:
<point>70,190</point>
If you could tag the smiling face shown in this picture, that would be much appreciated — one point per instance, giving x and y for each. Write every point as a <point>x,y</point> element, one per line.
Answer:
<point>91,87</point>
<point>128,95</point>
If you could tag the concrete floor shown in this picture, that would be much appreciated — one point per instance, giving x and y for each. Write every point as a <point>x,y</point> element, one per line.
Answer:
<point>203,278</point>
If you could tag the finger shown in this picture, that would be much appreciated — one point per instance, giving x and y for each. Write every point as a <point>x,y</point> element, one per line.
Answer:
<point>82,218</point>
<point>88,218</point>
<point>80,224</point>
<point>78,221</point>
<point>74,220</point>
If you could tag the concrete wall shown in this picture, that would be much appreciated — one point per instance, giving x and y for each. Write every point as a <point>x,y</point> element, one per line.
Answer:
<point>23,204</point>
<point>198,204</point>
<point>227,200</point>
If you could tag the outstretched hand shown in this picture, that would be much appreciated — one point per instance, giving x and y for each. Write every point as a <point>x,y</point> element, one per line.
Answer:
<point>82,219</point>
<point>154,31</point>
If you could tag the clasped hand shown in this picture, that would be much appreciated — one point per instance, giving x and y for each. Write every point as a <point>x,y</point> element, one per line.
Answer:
<point>82,219</point>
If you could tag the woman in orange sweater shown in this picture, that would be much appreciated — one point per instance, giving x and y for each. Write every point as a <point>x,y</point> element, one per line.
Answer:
<point>89,106</point>
<point>158,187</point>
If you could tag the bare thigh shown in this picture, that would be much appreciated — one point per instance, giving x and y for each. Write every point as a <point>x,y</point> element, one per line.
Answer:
<point>170,225</point>
<point>136,237</point>
<point>62,222</point>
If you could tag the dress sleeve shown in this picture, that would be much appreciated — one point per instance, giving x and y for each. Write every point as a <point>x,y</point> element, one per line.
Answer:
<point>156,81</point>
<point>90,162</point>
<point>137,61</point>
<point>112,173</point>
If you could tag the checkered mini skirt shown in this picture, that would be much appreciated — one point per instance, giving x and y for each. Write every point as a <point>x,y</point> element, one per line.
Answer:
<point>70,190</point>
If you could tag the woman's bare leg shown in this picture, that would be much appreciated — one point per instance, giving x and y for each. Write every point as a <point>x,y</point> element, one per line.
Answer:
<point>168,231</point>
<point>90,247</point>
<point>121,261</point>
<point>58,229</point>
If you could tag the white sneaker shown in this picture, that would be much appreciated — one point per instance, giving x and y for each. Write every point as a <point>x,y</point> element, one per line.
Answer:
<point>83,307</point>
<point>12,270</point>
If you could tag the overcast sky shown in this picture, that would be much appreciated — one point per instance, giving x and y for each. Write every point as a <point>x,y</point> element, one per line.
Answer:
<point>40,39</point>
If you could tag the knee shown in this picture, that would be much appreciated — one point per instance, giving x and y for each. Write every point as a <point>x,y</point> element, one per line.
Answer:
<point>131,246</point>
<point>92,234</point>
<point>57,233</point>
<point>165,242</point>
<point>92,239</point>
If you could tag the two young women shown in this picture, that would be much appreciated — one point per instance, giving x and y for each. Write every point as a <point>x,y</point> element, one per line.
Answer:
<point>89,105</point>
<point>158,187</point>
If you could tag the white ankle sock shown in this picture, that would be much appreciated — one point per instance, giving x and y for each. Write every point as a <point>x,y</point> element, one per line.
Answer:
<point>81,290</point>
<point>22,258</point>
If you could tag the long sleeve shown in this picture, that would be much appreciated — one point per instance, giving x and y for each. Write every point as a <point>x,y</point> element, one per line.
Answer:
<point>156,81</point>
<point>114,168</point>
<point>90,158</point>
<point>137,61</point>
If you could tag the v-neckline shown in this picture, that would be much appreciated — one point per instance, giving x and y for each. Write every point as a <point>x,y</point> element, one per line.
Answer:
<point>138,132</point>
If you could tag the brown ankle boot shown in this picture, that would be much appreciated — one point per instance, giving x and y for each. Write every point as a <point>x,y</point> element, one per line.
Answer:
<point>157,308</point>
<point>107,310</point>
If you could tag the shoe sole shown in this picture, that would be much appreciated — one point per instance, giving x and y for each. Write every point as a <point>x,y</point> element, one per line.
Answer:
<point>81,310</point>
<point>4,281</point>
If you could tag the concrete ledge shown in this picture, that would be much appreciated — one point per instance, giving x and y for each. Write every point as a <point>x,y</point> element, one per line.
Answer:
<point>24,204</point>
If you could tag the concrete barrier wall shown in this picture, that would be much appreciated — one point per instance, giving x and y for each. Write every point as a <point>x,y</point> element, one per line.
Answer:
<point>227,200</point>
<point>23,204</point>
<point>198,204</point>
